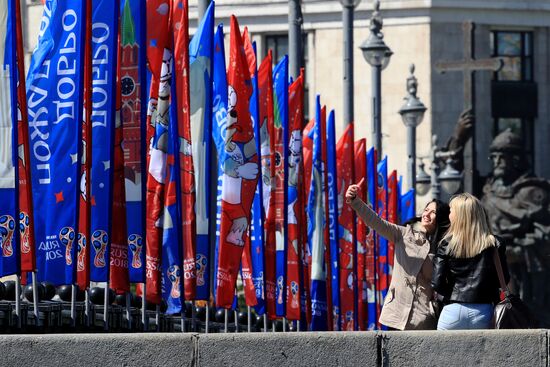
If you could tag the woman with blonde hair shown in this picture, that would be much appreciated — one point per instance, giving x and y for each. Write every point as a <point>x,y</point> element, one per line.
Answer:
<point>464,273</point>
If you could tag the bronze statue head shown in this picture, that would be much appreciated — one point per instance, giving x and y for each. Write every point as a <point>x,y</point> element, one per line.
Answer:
<point>508,156</point>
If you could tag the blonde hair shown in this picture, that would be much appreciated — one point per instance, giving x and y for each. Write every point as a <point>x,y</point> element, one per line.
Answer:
<point>469,233</point>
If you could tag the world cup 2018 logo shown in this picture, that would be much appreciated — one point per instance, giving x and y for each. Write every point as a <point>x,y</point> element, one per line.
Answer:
<point>294,289</point>
<point>280,285</point>
<point>99,243</point>
<point>66,237</point>
<point>24,232</point>
<point>201,264</point>
<point>174,274</point>
<point>7,225</point>
<point>81,257</point>
<point>134,243</point>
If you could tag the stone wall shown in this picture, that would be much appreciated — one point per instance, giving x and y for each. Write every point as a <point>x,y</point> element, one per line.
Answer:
<point>429,348</point>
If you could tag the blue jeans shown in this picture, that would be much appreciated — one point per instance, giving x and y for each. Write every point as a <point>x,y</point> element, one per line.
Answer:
<point>464,316</point>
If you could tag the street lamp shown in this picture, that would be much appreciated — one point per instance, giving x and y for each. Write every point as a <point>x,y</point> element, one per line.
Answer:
<point>378,56</point>
<point>412,113</point>
<point>450,179</point>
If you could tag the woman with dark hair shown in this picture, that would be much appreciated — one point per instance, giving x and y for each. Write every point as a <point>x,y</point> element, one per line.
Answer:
<point>408,304</point>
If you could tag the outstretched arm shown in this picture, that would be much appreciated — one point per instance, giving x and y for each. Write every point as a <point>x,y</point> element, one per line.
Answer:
<point>390,231</point>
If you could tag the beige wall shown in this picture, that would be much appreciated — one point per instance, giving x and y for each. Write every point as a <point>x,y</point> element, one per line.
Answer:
<point>410,44</point>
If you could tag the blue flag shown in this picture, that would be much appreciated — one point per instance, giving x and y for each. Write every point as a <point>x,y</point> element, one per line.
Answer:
<point>280,104</point>
<point>258,215</point>
<point>9,218</point>
<point>407,206</point>
<point>54,94</point>
<point>315,231</point>
<point>333,218</point>
<point>382,264</point>
<point>200,58</point>
<point>172,282</point>
<point>371,192</point>
<point>104,73</point>
<point>219,126</point>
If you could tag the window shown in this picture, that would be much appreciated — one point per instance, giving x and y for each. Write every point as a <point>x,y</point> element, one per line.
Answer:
<point>516,50</point>
<point>279,46</point>
<point>516,77</point>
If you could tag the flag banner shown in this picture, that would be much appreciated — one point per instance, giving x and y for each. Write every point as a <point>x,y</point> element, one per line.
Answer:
<point>360,155</point>
<point>26,216</point>
<point>315,229</point>
<point>307,153</point>
<point>407,206</point>
<point>382,210</point>
<point>200,55</point>
<point>172,274</point>
<point>295,202</point>
<point>326,237</point>
<point>160,64</point>
<point>219,126</point>
<point>104,71</point>
<point>240,170</point>
<point>156,182</point>
<point>392,217</point>
<point>280,107</point>
<point>54,95</point>
<point>371,255</point>
<point>256,264</point>
<point>118,273</point>
<point>133,80</point>
<point>9,218</point>
<point>180,30</point>
<point>84,204</point>
<point>246,272</point>
<point>347,259</point>
<point>265,87</point>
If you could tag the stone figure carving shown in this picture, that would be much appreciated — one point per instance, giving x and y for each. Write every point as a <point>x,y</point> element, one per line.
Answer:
<point>518,205</point>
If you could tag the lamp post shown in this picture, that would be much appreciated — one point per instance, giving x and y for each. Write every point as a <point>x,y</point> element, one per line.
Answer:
<point>412,113</point>
<point>295,20</point>
<point>449,179</point>
<point>378,56</point>
<point>347,26</point>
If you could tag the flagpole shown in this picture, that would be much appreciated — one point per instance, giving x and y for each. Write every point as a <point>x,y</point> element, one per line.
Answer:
<point>157,317</point>
<point>128,311</point>
<point>265,323</point>
<point>87,306</point>
<point>182,322</point>
<point>207,317</point>
<point>73,305</point>
<point>298,325</point>
<point>249,320</point>
<point>193,318</point>
<point>143,308</point>
<point>106,307</point>
<point>34,297</point>
<point>236,318</point>
<point>225,321</point>
<point>18,300</point>
<point>284,324</point>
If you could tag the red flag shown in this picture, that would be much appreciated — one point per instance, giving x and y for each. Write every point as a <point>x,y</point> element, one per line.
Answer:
<point>180,29</point>
<point>345,174</point>
<point>240,171</point>
<point>362,230</point>
<point>267,117</point>
<point>160,60</point>
<point>295,200</point>
<point>26,221</point>
<point>307,151</point>
<point>85,203</point>
<point>246,272</point>
<point>392,216</point>
<point>118,268</point>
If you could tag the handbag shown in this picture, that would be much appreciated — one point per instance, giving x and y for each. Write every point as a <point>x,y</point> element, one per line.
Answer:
<point>512,312</point>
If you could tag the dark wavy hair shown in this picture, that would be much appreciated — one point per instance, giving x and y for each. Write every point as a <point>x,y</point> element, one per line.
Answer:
<point>442,223</point>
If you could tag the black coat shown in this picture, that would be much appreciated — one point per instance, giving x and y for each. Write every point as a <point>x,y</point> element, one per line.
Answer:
<point>468,280</point>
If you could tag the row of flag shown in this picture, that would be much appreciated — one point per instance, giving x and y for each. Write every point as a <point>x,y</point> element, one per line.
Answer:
<point>106,151</point>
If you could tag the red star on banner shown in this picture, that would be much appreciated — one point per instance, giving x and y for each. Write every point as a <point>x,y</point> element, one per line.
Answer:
<point>59,197</point>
